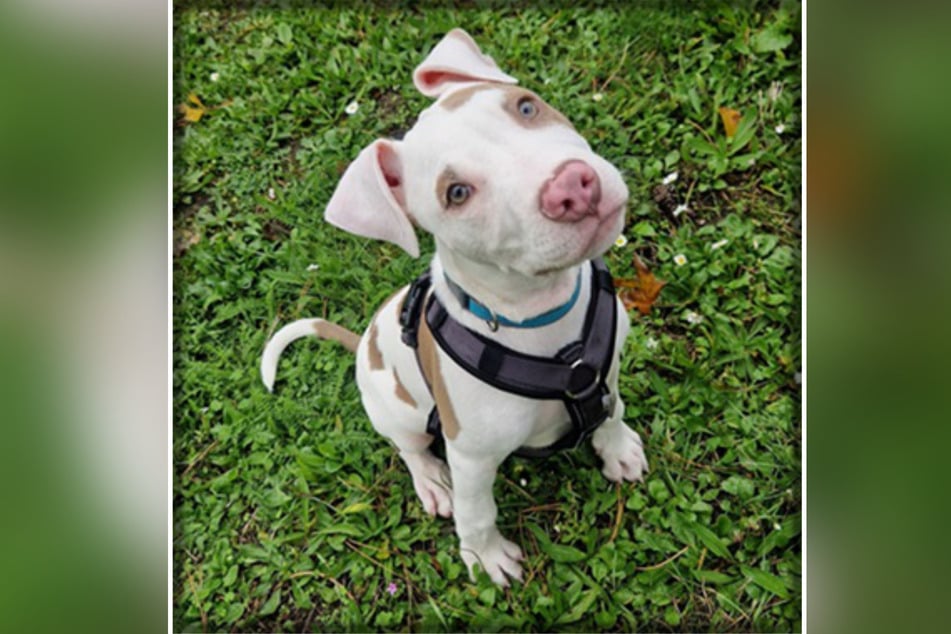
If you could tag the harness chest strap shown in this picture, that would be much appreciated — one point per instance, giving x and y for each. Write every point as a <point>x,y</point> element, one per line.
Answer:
<point>577,375</point>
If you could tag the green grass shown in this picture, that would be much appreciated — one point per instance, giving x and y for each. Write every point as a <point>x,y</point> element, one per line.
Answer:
<point>291,513</point>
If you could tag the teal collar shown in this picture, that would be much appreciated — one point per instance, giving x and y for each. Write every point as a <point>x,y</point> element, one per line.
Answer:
<point>481,311</point>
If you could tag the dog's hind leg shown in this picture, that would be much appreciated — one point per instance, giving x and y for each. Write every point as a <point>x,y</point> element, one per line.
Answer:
<point>399,423</point>
<point>431,481</point>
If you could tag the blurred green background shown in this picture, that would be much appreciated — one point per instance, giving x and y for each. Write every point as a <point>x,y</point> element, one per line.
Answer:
<point>877,151</point>
<point>82,198</point>
<point>83,330</point>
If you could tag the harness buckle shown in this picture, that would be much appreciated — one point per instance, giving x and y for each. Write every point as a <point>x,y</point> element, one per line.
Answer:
<point>589,412</point>
<point>583,381</point>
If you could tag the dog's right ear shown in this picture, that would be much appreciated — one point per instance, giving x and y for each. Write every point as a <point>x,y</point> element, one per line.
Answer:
<point>370,199</point>
<point>456,59</point>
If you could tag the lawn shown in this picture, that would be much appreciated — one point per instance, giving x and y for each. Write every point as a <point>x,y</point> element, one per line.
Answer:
<point>291,513</point>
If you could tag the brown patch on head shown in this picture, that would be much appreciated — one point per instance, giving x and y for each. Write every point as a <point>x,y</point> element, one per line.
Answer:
<point>429,363</point>
<point>457,98</point>
<point>513,96</point>
<point>327,330</point>
<point>447,178</point>
<point>401,392</point>
<point>373,350</point>
<point>544,115</point>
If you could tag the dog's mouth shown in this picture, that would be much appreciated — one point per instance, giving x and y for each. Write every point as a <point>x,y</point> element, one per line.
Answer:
<point>598,241</point>
<point>606,226</point>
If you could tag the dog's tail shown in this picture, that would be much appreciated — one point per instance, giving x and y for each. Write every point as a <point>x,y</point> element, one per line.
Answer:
<point>297,330</point>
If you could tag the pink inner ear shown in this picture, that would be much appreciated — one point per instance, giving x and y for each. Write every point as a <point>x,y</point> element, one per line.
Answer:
<point>433,78</point>
<point>390,168</point>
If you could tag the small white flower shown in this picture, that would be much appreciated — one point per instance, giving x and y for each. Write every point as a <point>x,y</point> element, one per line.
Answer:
<point>680,259</point>
<point>777,527</point>
<point>755,243</point>
<point>775,90</point>
<point>597,96</point>
<point>270,193</point>
<point>780,129</point>
<point>679,209</point>
<point>651,343</point>
<point>621,241</point>
<point>547,81</point>
<point>670,178</point>
<point>751,162</point>
<point>352,108</point>
<point>523,482</point>
<point>693,318</point>
<point>719,244</point>
<point>313,267</point>
<point>557,528</point>
<point>204,410</point>
<point>214,76</point>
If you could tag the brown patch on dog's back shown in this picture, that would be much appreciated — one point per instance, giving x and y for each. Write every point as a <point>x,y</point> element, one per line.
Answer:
<point>328,330</point>
<point>373,349</point>
<point>429,364</point>
<point>385,303</point>
<point>401,392</point>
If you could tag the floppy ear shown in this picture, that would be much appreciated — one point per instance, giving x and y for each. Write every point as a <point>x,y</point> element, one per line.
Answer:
<point>455,60</point>
<point>370,199</point>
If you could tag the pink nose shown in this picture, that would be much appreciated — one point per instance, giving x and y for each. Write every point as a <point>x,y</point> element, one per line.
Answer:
<point>572,194</point>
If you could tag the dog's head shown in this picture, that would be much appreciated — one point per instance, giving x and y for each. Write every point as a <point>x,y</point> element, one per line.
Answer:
<point>493,172</point>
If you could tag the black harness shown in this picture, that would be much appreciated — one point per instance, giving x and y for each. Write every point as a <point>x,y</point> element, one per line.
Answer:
<point>576,375</point>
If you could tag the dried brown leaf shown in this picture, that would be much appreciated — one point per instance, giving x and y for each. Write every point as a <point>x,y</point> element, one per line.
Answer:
<point>641,291</point>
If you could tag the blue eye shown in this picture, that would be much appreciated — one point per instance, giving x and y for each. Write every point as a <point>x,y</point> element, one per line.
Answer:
<point>457,193</point>
<point>527,108</point>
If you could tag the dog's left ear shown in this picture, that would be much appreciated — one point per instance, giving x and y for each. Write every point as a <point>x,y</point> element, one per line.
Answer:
<point>456,60</point>
<point>370,199</point>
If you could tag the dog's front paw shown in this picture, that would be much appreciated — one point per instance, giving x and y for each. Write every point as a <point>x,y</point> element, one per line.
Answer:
<point>621,450</point>
<point>497,556</point>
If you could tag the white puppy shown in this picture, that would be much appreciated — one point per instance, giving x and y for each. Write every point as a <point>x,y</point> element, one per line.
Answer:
<point>519,206</point>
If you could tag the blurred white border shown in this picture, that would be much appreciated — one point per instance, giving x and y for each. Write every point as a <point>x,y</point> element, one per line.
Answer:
<point>170,572</point>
